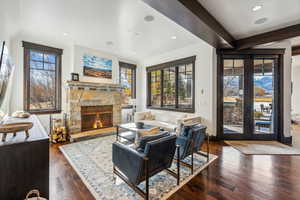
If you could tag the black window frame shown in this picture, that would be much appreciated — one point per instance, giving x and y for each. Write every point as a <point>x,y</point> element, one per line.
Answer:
<point>28,46</point>
<point>161,67</point>
<point>133,82</point>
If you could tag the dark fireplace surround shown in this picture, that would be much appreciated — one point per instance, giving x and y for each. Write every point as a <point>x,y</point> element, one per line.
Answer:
<point>96,117</point>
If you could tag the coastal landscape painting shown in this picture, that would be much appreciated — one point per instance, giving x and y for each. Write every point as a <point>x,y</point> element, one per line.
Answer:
<point>97,67</point>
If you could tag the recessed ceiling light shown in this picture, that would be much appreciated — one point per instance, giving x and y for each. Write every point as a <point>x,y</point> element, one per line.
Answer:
<point>261,20</point>
<point>256,8</point>
<point>109,43</point>
<point>149,18</point>
<point>173,37</point>
<point>65,34</point>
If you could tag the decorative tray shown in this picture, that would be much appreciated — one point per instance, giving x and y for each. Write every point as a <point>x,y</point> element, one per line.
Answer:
<point>14,128</point>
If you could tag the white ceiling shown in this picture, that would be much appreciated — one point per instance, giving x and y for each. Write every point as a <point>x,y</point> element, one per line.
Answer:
<point>238,18</point>
<point>93,23</point>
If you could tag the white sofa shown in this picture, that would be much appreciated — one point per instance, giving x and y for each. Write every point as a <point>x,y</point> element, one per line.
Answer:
<point>170,121</point>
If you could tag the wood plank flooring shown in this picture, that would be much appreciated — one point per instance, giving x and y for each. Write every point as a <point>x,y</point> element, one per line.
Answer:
<point>233,176</point>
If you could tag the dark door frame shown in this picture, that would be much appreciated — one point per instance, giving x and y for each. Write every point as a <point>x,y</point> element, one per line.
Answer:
<point>249,55</point>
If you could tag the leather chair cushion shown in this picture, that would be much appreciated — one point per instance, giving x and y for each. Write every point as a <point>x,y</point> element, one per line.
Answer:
<point>144,139</point>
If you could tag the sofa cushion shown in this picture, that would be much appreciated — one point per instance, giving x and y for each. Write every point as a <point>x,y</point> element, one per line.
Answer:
<point>138,116</point>
<point>144,139</point>
<point>169,117</point>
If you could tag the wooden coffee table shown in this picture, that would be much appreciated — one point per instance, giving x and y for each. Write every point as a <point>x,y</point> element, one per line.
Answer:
<point>130,131</point>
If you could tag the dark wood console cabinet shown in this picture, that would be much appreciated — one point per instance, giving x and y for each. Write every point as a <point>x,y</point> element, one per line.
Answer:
<point>24,162</point>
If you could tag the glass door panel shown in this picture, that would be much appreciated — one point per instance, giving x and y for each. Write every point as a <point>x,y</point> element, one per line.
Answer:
<point>263,103</point>
<point>233,96</point>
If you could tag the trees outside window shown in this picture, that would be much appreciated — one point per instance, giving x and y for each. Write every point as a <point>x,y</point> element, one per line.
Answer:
<point>156,88</point>
<point>42,78</point>
<point>128,82</point>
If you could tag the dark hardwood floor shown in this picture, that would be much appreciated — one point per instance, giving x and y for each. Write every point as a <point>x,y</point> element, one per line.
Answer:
<point>232,176</point>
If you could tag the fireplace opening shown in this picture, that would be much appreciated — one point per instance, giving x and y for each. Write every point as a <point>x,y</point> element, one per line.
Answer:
<point>96,117</point>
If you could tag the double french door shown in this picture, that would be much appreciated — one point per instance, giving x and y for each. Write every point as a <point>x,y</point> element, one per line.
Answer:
<point>249,102</point>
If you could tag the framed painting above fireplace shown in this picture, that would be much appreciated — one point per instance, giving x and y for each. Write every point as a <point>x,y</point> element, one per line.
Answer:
<point>97,67</point>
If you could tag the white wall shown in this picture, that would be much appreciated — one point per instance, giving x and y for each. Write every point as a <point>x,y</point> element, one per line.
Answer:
<point>79,51</point>
<point>70,63</point>
<point>205,80</point>
<point>296,85</point>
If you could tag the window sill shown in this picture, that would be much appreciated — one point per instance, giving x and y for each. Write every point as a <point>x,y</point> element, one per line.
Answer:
<point>172,109</point>
<point>127,106</point>
<point>44,112</point>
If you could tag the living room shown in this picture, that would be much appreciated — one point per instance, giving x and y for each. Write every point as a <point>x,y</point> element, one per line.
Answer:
<point>92,93</point>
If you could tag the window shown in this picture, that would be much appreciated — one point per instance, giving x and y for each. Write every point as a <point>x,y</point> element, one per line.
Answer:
<point>185,86</point>
<point>171,85</point>
<point>156,88</point>
<point>127,81</point>
<point>42,79</point>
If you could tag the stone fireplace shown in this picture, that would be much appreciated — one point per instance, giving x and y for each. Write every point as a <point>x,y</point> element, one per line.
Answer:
<point>92,106</point>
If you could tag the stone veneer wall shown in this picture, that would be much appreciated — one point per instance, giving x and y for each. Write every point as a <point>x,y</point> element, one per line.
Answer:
<point>91,94</point>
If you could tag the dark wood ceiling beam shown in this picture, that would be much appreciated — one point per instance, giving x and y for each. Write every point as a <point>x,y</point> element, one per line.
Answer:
<point>272,36</point>
<point>295,50</point>
<point>191,15</point>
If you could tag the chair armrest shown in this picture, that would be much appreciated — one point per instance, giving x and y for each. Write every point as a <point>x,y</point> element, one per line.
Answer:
<point>138,116</point>
<point>129,161</point>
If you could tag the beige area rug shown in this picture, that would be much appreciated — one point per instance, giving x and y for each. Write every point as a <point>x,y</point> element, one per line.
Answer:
<point>263,148</point>
<point>92,160</point>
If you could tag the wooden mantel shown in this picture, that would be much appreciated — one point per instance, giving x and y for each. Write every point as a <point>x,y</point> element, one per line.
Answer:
<point>93,85</point>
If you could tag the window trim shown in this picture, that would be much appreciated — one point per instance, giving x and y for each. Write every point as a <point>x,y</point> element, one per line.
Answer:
<point>176,64</point>
<point>58,86</point>
<point>133,83</point>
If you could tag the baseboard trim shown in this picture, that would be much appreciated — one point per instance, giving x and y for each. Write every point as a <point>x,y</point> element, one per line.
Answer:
<point>214,138</point>
<point>288,140</point>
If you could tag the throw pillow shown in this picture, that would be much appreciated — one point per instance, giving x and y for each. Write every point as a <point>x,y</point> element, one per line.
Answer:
<point>152,131</point>
<point>149,116</point>
<point>21,114</point>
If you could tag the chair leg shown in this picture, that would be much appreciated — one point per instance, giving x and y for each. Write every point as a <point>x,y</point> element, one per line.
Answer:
<point>207,147</point>
<point>192,155</point>
<point>192,163</point>
<point>178,165</point>
<point>117,135</point>
<point>147,179</point>
<point>114,169</point>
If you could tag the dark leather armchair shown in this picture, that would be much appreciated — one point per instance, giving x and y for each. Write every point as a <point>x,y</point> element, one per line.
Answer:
<point>190,141</point>
<point>136,166</point>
